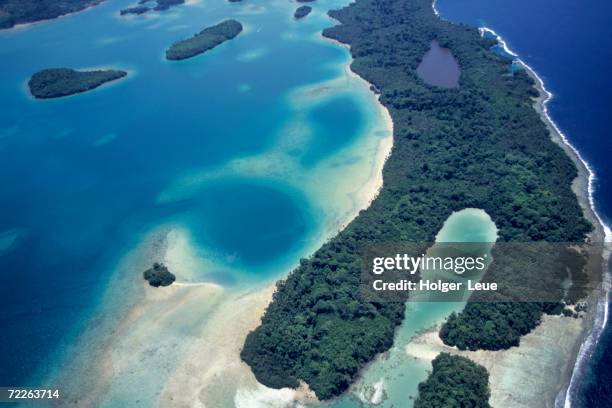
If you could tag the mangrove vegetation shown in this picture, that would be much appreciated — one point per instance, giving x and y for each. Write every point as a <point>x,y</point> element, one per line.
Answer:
<point>455,382</point>
<point>159,275</point>
<point>477,145</point>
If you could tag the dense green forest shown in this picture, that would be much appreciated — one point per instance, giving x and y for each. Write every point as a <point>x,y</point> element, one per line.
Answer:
<point>58,82</point>
<point>479,145</point>
<point>205,40</point>
<point>14,12</point>
<point>455,382</point>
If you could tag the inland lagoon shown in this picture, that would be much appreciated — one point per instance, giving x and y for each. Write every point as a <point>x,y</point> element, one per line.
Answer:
<point>439,67</point>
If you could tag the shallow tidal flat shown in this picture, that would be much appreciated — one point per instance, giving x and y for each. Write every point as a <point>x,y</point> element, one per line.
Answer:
<point>536,368</point>
<point>228,197</point>
<point>392,378</point>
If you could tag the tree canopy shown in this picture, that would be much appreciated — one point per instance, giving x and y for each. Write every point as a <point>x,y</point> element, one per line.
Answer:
<point>481,145</point>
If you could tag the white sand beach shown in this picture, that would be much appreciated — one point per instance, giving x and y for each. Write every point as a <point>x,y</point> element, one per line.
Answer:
<point>537,368</point>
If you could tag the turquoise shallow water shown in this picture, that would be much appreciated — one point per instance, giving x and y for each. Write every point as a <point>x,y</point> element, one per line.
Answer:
<point>233,146</point>
<point>396,374</point>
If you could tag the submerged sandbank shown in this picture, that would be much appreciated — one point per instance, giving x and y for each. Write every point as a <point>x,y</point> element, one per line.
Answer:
<point>179,345</point>
<point>212,374</point>
<point>137,332</point>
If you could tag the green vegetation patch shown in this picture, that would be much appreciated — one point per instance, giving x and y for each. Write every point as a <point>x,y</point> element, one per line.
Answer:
<point>58,82</point>
<point>205,40</point>
<point>159,275</point>
<point>302,12</point>
<point>455,382</point>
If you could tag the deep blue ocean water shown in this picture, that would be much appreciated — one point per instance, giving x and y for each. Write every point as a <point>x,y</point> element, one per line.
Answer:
<point>569,44</point>
<point>82,176</point>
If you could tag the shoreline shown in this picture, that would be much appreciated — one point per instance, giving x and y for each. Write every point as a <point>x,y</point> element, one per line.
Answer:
<point>385,145</point>
<point>583,187</point>
<point>201,373</point>
<point>28,25</point>
<point>130,73</point>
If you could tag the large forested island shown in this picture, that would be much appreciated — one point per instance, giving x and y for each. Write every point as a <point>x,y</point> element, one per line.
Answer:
<point>205,40</point>
<point>58,82</point>
<point>478,145</point>
<point>13,12</point>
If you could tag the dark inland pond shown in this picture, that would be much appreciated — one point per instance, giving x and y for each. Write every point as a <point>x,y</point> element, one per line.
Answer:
<point>439,67</point>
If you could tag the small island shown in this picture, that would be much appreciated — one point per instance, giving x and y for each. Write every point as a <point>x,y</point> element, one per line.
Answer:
<point>305,1</point>
<point>141,8</point>
<point>302,12</point>
<point>159,275</point>
<point>454,382</point>
<point>334,331</point>
<point>205,40</point>
<point>58,82</point>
